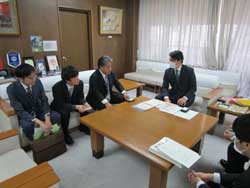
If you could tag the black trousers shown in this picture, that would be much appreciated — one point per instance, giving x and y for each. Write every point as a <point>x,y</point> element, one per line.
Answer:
<point>235,160</point>
<point>65,116</point>
<point>116,98</point>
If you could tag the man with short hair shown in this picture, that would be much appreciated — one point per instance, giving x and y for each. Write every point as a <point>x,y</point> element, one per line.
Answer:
<point>179,82</point>
<point>241,127</point>
<point>68,97</point>
<point>101,82</point>
<point>28,98</point>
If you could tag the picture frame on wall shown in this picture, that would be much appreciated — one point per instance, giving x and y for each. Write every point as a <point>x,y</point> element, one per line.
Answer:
<point>9,20</point>
<point>29,60</point>
<point>52,63</point>
<point>110,20</point>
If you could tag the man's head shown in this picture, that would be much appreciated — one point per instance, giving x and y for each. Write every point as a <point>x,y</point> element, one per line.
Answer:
<point>105,64</point>
<point>241,127</point>
<point>176,59</point>
<point>70,75</point>
<point>26,73</point>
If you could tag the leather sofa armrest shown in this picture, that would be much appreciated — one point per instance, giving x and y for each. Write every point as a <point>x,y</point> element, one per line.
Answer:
<point>9,141</point>
<point>39,176</point>
<point>211,97</point>
<point>7,108</point>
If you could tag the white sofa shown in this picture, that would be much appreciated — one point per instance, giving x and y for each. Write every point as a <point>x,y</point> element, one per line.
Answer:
<point>13,160</point>
<point>208,81</point>
<point>48,83</point>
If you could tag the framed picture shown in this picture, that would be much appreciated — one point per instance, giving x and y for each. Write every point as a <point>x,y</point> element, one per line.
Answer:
<point>29,60</point>
<point>52,63</point>
<point>110,21</point>
<point>9,22</point>
<point>40,66</point>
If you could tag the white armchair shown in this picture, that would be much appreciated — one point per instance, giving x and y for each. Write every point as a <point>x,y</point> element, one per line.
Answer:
<point>18,169</point>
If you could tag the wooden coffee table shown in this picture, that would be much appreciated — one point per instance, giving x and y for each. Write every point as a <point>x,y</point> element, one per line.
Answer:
<point>137,131</point>
<point>214,109</point>
<point>130,85</point>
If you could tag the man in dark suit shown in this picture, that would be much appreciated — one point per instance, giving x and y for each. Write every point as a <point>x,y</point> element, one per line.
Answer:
<point>179,82</point>
<point>69,96</point>
<point>28,98</point>
<point>241,128</point>
<point>101,82</point>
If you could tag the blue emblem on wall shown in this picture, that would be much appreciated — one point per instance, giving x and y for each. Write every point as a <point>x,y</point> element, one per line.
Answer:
<point>13,59</point>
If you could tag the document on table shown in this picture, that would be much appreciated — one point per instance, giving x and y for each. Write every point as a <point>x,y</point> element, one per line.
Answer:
<point>176,110</point>
<point>146,105</point>
<point>175,152</point>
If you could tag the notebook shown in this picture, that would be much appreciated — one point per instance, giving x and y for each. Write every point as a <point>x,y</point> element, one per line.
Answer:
<point>175,152</point>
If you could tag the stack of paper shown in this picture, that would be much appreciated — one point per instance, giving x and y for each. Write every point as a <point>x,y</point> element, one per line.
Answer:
<point>146,105</point>
<point>174,152</point>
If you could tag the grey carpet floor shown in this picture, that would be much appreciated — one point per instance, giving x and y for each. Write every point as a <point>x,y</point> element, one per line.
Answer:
<point>120,168</point>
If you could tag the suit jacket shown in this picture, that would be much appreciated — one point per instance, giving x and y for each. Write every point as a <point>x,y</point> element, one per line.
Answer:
<point>234,180</point>
<point>62,99</point>
<point>23,104</point>
<point>98,89</point>
<point>184,86</point>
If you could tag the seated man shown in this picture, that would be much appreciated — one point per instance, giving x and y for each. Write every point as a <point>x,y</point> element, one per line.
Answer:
<point>179,82</point>
<point>68,97</point>
<point>235,159</point>
<point>101,83</point>
<point>28,98</point>
<point>241,128</point>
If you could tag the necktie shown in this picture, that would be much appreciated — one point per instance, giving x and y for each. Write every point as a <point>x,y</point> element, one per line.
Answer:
<point>29,91</point>
<point>177,74</point>
<point>108,89</point>
<point>71,89</point>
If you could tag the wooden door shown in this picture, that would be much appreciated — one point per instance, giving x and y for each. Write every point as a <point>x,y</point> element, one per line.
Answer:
<point>75,38</point>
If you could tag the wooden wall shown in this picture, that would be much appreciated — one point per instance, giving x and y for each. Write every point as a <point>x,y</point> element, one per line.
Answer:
<point>40,17</point>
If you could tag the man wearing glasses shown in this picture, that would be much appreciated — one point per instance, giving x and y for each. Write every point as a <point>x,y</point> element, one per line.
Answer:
<point>28,98</point>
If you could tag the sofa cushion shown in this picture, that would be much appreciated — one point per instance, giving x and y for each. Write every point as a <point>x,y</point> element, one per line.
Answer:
<point>207,81</point>
<point>13,163</point>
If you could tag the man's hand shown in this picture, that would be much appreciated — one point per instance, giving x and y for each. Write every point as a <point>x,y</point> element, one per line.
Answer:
<point>193,179</point>
<point>182,101</point>
<point>167,100</point>
<point>108,105</point>
<point>81,108</point>
<point>126,96</point>
<point>48,122</point>
<point>204,176</point>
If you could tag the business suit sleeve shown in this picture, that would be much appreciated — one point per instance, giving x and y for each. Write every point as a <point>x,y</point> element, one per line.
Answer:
<point>234,180</point>
<point>193,85</point>
<point>17,105</point>
<point>117,84</point>
<point>164,91</point>
<point>93,84</point>
<point>59,99</point>
<point>43,98</point>
<point>204,186</point>
<point>81,93</point>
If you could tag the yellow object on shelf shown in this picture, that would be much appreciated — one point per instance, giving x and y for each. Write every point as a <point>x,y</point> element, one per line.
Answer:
<point>243,102</point>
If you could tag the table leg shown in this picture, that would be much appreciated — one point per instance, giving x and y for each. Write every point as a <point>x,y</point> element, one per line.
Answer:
<point>158,177</point>
<point>215,114</point>
<point>139,91</point>
<point>97,144</point>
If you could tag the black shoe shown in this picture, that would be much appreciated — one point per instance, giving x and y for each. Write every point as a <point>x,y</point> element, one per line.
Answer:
<point>223,163</point>
<point>84,129</point>
<point>69,140</point>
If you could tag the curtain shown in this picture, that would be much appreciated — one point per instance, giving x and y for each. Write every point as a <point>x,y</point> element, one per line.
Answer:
<point>234,41</point>
<point>187,25</point>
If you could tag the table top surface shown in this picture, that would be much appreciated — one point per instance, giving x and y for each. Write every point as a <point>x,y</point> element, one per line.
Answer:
<point>137,131</point>
<point>129,84</point>
<point>214,106</point>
